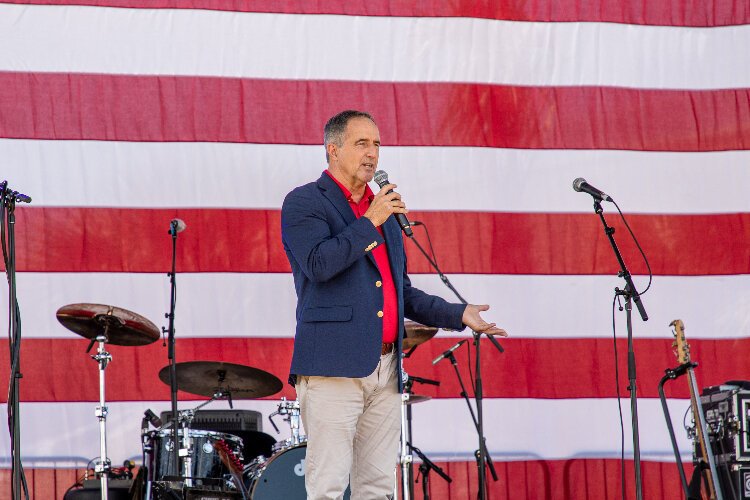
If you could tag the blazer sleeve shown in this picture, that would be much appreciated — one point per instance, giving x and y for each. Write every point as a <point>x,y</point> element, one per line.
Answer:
<point>306,234</point>
<point>429,309</point>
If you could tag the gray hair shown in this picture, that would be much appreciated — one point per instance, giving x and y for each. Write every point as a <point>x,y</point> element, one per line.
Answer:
<point>333,133</point>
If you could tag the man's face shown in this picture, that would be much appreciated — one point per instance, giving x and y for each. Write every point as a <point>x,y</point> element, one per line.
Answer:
<point>357,159</point>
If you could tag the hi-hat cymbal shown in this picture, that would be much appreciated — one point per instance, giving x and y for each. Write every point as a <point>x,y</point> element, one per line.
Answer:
<point>417,398</point>
<point>416,334</point>
<point>119,326</point>
<point>206,378</point>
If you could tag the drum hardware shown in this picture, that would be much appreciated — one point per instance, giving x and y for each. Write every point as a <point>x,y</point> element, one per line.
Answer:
<point>408,398</point>
<point>291,412</point>
<point>104,324</point>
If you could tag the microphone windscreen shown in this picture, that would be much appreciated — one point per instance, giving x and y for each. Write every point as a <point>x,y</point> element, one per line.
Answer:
<point>179,224</point>
<point>578,183</point>
<point>381,177</point>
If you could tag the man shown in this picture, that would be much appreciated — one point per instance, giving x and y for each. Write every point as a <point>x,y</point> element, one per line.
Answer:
<point>347,257</point>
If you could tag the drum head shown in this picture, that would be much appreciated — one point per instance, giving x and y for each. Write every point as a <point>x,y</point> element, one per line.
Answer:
<point>282,477</point>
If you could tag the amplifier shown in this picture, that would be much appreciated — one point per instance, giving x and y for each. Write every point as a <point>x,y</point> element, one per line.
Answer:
<point>228,421</point>
<point>727,412</point>
<point>740,482</point>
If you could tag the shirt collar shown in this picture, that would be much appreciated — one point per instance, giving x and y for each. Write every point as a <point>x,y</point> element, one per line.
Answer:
<point>348,194</point>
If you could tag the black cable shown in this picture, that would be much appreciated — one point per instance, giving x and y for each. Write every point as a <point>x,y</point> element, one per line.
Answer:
<point>619,401</point>
<point>638,245</point>
<point>13,342</point>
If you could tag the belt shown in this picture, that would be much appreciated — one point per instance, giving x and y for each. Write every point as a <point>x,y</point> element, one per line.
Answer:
<point>388,347</point>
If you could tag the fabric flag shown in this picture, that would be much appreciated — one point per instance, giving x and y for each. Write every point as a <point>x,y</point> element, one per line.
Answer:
<point>117,116</point>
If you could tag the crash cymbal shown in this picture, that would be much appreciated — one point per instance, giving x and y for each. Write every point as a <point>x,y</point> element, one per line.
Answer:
<point>206,378</point>
<point>121,327</point>
<point>417,334</point>
<point>417,398</point>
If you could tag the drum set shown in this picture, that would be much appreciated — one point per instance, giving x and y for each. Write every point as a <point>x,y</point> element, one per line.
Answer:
<point>221,454</point>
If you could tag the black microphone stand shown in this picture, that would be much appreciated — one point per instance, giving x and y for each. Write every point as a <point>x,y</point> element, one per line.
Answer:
<point>171,349</point>
<point>631,295</point>
<point>425,468</point>
<point>8,199</point>
<point>481,453</point>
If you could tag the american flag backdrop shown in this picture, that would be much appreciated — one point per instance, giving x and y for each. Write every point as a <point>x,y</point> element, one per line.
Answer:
<point>119,115</point>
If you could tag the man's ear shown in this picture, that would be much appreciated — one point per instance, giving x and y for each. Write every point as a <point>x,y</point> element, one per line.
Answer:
<point>332,150</point>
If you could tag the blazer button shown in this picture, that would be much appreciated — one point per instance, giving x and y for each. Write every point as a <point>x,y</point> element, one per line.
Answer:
<point>380,314</point>
<point>378,283</point>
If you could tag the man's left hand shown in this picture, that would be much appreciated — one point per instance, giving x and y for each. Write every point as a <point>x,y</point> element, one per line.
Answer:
<point>473,320</point>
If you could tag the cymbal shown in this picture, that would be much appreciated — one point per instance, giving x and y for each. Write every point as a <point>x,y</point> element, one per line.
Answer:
<point>206,378</point>
<point>121,327</point>
<point>417,398</point>
<point>416,334</point>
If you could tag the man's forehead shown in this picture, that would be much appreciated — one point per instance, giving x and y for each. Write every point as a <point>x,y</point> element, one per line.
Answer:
<point>363,128</point>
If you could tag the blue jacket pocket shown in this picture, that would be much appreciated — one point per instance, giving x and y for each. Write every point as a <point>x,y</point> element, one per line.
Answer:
<point>331,313</point>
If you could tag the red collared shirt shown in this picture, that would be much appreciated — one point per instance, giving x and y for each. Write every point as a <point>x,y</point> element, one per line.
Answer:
<point>380,252</point>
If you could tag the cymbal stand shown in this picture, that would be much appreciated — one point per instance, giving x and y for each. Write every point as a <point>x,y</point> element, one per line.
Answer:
<point>405,457</point>
<point>185,418</point>
<point>103,358</point>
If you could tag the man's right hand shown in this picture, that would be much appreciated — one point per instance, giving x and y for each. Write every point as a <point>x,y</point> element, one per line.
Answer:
<point>383,205</point>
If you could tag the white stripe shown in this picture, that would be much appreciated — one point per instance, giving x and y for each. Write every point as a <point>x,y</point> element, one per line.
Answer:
<point>516,429</point>
<point>325,47</point>
<point>238,305</point>
<point>215,175</point>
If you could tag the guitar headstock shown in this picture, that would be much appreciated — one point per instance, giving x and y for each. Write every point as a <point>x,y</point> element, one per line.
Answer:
<point>682,348</point>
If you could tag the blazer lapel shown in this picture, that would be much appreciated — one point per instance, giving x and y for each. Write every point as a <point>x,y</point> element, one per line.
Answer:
<point>331,191</point>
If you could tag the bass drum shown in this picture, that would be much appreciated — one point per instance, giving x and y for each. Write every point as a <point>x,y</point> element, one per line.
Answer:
<point>281,477</point>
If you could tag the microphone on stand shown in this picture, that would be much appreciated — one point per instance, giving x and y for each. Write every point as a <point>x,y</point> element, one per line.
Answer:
<point>176,226</point>
<point>582,186</point>
<point>381,177</point>
<point>449,352</point>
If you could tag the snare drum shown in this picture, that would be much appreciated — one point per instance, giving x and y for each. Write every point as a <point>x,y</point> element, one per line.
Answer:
<point>206,462</point>
<point>281,477</point>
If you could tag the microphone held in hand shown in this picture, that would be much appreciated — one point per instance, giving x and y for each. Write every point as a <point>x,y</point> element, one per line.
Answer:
<point>581,185</point>
<point>449,352</point>
<point>381,177</point>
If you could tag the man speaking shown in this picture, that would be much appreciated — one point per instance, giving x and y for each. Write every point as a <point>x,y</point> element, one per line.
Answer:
<point>347,257</point>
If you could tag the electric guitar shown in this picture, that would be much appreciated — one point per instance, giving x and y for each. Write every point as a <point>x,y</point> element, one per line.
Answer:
<point>683,356</point>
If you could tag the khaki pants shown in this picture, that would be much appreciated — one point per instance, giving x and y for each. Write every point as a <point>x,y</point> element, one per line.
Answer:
<point>353,427</point>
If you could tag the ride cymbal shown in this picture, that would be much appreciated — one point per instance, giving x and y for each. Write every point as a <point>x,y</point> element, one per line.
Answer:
<point>119,326</point>
<point>206,378</point>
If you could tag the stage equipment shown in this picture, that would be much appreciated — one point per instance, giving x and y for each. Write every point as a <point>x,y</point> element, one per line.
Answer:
<point>176,226</point>
<point>8,200</point>
<point>631,295</point>
<point>104,324</point>
<point>481,454</point>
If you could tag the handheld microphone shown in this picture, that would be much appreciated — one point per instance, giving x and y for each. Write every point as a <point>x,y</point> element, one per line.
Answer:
<point>177,226</point>
<point>381,177</point>
<point>449,352</point>
<point>581,185</point>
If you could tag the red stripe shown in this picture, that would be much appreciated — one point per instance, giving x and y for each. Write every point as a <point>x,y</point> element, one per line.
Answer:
<point>530,368</point>
<point>663,12</point>
<point>573,479</point>
<point>169,108</point>
<point>134,240</point>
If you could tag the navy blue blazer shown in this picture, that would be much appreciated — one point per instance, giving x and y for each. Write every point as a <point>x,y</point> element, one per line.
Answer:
<point>339,333</point>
